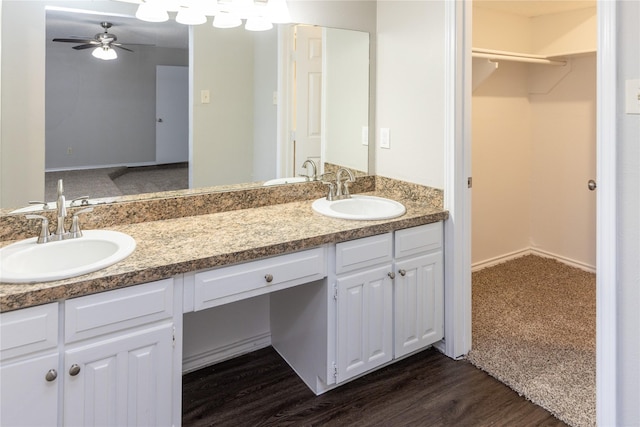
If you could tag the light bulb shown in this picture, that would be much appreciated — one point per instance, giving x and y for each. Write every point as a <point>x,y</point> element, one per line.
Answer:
<point>151,12</point>
<point>189,16</point>
<point>104,52</point>
<point>226,20</point>
<point>258,23</point>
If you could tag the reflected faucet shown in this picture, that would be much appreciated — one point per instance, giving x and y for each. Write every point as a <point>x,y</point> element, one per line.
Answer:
<point>314,170</point>
<point>60,233</point>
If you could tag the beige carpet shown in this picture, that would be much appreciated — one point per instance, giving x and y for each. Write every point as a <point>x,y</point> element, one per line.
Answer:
<point>534,330</point>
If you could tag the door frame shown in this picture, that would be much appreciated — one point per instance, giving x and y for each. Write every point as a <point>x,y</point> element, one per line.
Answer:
<point>458,196</point>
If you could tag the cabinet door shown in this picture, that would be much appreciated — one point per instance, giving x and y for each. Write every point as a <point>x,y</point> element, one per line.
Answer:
<point>125,380</point>
<point>364,322</point>
<point>419,303</point>
<point>28,397</point>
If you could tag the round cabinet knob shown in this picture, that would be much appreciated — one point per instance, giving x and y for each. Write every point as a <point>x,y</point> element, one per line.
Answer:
<point>402,272</point>
<point>268,278</point>
<point>160,120</point>
<point>51,375</point>
<point>592,185</point>
<point>392,275</point>
<point>74,370</point>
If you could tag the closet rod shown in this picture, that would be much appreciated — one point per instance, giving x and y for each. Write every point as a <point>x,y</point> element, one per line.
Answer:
<point>498,57</point>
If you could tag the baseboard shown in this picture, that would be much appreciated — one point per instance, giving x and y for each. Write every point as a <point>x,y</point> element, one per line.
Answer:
<point>568,261</point>
<point>114,165</point>
<point>220,354</point>
<point>532,251</point>
<point>500,259</point>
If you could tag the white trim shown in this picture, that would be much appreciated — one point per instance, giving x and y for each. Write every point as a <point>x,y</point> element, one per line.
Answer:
<point>220,354</point>
<point>114,165</point>
<point>457,197</point>
<point>606,342</point>
<point>531,251</point>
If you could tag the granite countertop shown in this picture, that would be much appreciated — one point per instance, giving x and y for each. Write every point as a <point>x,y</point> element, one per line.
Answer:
<point>169,247</point>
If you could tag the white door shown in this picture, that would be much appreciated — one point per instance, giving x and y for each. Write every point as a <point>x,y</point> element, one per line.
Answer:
<point>122,381</point>
<point>27,397</point>
<point>419,303</point>
<point>172,114</point>
<point>308,96</point>
<point>364,322</point>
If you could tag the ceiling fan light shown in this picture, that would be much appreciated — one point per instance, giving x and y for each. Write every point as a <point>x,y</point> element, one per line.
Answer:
<point>104,53</point>
<point>151,12</point>
<point>226,20</point>
<point>258,23</point>
<point>189,16</point>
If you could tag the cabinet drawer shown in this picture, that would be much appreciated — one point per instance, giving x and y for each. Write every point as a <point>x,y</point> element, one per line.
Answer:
<point>112,311</point>
<point>424,238</point>
<point>28,330</point>
<point>365,252</point>
<point>228,284</point>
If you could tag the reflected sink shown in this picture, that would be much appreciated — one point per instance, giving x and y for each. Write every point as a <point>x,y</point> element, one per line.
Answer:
<point>26,261</point>
<point>360,207</point>
<point>280,181</point>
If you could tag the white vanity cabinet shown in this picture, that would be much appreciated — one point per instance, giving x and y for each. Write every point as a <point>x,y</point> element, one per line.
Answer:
<point>364,307</point>
<point>383,299</point>
<point>118,357</point>
<point>102,359</point>
<point>29,366</point>
<point>419,288</point>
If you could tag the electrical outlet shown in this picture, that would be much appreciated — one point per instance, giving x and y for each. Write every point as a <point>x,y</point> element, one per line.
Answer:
<point>385,140</point>
<point>205,96</point>
<point>69,150</point>
<point>632,101</point>
<point>365,135</point>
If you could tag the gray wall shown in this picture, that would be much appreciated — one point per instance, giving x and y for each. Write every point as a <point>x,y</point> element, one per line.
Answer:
<point>628,171</point>
<point>103,110</point>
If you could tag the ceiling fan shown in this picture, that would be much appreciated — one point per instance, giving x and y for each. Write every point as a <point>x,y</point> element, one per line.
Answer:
<point>103,43</point>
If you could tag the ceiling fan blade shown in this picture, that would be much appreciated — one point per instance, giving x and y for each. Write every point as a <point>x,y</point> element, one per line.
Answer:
<point>85,46</point>
<point>133,44</point>
<point>120,47</point>
<point>71,40</point>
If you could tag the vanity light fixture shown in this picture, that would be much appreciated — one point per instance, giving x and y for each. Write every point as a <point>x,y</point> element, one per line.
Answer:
<point>259,15</point>
<point>104,52</point>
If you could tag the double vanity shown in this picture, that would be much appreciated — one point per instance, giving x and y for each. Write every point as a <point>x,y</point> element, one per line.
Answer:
<point>344,297</point>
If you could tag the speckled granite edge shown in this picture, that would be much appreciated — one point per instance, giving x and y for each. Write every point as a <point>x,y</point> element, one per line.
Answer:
<point>171,246</point>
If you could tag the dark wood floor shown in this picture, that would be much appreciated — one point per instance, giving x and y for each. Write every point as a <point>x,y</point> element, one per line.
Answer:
<point>427,389</point>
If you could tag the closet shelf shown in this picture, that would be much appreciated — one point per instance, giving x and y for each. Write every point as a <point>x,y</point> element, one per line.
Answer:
<point>502,55</point>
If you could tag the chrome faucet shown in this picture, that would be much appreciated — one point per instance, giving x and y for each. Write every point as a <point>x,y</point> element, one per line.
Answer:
<point>314,169</point>
<point>342,187</point>
<point>60,233</point>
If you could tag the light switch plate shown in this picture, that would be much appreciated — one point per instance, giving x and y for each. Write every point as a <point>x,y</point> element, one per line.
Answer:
<point>632,96</point>
<point>205,96</point>
<point>385,138</point>
<point>365,135</point>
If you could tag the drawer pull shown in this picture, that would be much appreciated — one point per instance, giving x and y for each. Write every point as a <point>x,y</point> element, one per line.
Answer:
<point>268,278</point>
<point>74,370</point>
<point>392,275</point>
<point>402,272</point>
<point>51,375</point>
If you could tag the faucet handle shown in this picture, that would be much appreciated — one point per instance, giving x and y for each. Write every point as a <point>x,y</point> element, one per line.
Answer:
<point>84,201</point>
<point>75,231</point>
<point>45,205</point>
<point>43,237</point>
<point>332,190</point>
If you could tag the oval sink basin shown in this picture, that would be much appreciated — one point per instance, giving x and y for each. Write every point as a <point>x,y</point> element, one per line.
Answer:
<point>360,207</point>
<point>26,261</point>
<point>280,181</point>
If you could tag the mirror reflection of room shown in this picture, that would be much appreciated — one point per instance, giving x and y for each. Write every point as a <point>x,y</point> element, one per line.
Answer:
<point>130,125</point>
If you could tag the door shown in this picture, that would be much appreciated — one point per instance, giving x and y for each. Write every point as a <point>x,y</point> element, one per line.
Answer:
<point>419,302</point>
<point>172,114</point>
<point>308,96</point>
<point>29,393</point>
<point>364,322</point>
<point>124,380</point>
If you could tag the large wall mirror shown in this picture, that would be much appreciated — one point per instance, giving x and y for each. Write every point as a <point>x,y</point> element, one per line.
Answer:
<point>199,107</point>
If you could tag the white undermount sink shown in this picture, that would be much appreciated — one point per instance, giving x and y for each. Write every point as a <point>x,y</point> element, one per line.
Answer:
<point>359,207</point>
<point>27,261</point>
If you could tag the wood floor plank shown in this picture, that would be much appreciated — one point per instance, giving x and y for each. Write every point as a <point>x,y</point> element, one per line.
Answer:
<point>427,389</point>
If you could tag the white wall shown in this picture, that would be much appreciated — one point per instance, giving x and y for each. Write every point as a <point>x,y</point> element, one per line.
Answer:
<point>410,90</point>
<point>628,182</point>
<point>533,153</point>
<point>104,110</point>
